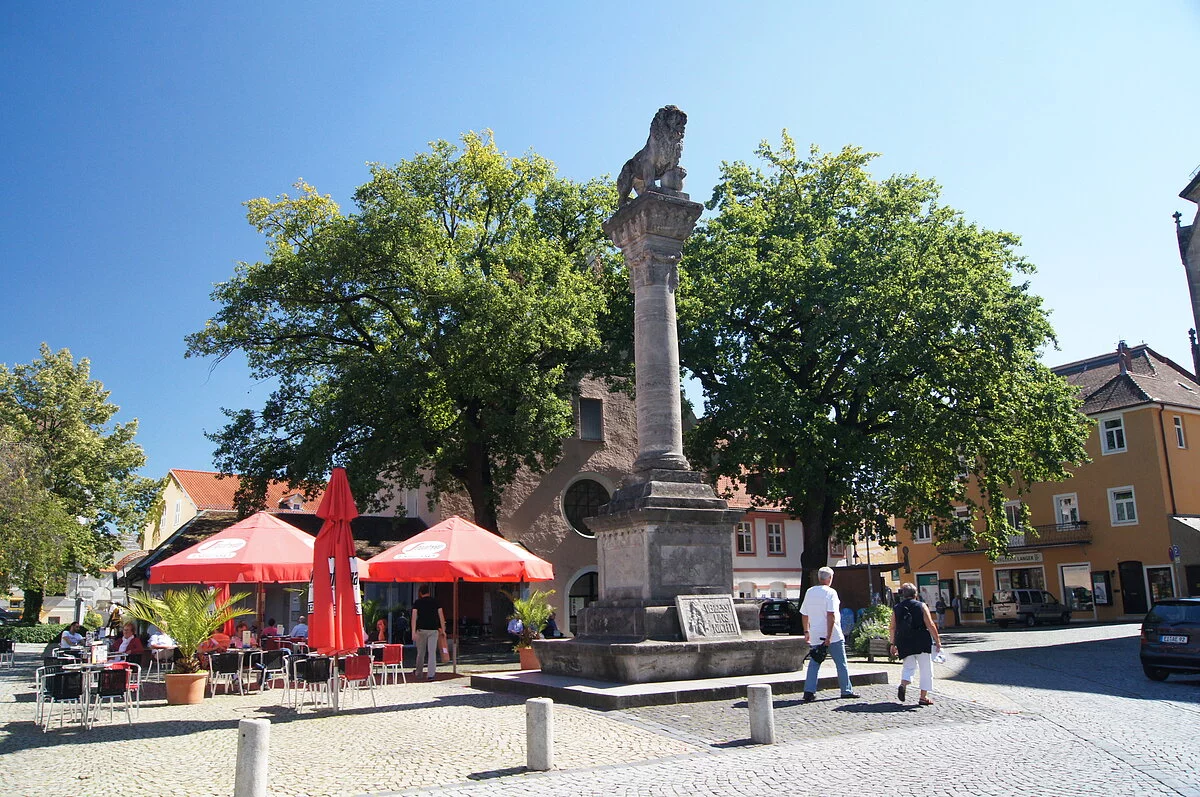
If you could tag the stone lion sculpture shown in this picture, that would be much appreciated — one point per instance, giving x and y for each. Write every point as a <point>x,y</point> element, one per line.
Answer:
<point>659,159</point>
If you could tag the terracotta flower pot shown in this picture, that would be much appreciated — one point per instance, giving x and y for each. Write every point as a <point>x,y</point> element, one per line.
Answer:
<point>184,689</point>
<point>529,659</point>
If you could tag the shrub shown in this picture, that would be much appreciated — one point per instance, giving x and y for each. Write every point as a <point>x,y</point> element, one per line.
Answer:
<point>92,620</point>
<point>875,624</point>
<point>41,633</point>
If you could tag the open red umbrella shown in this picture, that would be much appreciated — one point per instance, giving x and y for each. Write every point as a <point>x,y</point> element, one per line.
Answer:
<point>335,622</point>
<point>458,550</point>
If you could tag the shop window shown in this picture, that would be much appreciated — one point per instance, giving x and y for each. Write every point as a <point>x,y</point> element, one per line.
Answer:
<point>970,592</point>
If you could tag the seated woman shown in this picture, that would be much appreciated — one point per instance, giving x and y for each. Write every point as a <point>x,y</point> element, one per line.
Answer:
<point>129,644</point>
<point>380,634</point>
<point>216,643</point>
<point>243,637</point>
<point>270,629</point>
<point>71,636</point>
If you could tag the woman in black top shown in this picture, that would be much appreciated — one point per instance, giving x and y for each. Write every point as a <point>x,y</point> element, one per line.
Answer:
<point>913,634</point>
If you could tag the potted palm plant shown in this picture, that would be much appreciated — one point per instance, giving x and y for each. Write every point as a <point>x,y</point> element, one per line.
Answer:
<point>188,616</point>
<point>532,613</point>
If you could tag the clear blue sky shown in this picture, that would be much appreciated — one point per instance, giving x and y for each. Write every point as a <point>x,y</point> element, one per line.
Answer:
<point>131,134</point>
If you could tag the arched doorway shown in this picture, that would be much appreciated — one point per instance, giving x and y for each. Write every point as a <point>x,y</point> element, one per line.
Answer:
<point>583,590</point>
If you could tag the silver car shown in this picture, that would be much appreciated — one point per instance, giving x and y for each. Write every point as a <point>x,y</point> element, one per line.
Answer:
<point>1028,606</point>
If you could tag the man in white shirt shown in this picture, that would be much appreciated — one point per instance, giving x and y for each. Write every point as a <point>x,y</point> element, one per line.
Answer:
<point>821,611</point>
<point>300,629</point>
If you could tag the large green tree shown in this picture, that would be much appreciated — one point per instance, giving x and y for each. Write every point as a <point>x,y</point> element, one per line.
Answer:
<point>438,332</point>
<point>861,346</point>
<point>68,482</point>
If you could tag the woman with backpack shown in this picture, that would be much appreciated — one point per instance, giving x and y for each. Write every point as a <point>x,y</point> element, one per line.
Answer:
<point>913,635</point>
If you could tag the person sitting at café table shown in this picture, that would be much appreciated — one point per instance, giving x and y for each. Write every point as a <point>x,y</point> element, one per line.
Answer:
<point>161,640</point>
<point>219,641</point>
<point>300,629</point>
<point>271,629</point>
<point>240,640</point>
<point>380,634</point>
<point>129,644</point>
<point>71,636</point>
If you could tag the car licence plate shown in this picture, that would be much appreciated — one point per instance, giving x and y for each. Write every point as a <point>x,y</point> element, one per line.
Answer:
<point>780,617</point>
<point>1173,640</point>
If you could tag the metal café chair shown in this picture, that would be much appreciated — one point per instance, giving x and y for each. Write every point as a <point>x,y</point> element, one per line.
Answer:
<point>272,664</point>
<point>356,671</point>
<point>160,658</point>
<point>64,688</point>
<point>113,685</point>
<point>392,663</point>
<point>317,679</point>
<point>134,683</point>
<point>293,682</point>
<point>225,667</point>
<point>41,685</point>
<point>7,654</point>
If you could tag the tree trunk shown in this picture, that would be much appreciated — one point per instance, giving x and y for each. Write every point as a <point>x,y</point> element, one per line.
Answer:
<point>33,604</point>
<point>818,525</point>
<point>479,486</point>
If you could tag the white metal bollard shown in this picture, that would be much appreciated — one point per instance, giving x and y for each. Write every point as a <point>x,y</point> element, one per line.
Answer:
<point>539,734</point>
<point>254,737</point>
<point>762,713</point>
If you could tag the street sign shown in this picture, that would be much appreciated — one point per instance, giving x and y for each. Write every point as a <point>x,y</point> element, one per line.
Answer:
<point>1173,552</point>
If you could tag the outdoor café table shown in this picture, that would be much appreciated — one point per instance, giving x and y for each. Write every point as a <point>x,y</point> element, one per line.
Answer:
<point>247,660</point>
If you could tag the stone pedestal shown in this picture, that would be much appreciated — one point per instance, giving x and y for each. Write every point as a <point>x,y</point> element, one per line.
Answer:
<point>665,532</point>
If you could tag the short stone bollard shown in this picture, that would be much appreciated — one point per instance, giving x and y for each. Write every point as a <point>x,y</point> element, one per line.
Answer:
<point>762,713</point>
<point>250,779</point>
<point>539,734</point>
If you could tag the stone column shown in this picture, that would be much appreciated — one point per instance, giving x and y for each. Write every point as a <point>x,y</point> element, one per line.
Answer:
<point>651,231</point>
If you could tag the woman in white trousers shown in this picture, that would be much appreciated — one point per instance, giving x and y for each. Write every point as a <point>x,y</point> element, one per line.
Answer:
<point>914,634</point>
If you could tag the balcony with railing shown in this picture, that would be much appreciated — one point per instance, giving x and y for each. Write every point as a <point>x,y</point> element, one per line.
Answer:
<point>1048,536</point>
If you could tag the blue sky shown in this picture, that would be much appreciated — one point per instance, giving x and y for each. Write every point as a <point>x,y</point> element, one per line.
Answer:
<point>130,136</point>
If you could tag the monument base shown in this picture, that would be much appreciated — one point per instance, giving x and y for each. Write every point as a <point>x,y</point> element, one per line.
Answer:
<point>650,661</point>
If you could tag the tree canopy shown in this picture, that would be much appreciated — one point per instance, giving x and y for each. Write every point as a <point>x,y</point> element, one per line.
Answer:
<point>861,346</point>
<point>68,481</point>
<point>436,333</point>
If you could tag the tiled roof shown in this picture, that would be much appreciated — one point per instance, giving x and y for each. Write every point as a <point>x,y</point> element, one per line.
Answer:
<point>1148,377</point>
<point>211,490</point>
<point>372,534</point>
<point>739,497</point>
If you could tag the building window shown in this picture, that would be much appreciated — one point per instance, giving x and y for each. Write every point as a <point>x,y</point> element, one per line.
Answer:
<point>962,520</point>
<point>837,549</point>
<point>1122,506</point>
<point>591,419</point>
<point>1066,509</point>
<point>970,591</point>
<point>1112,435</point>
<point>745,538</point>
<point>775,539</point>
<point>178,511</point>
<point>1179,438</point>
<point>1013,513</point>
<point>922,532</point>
<point>583,499</point>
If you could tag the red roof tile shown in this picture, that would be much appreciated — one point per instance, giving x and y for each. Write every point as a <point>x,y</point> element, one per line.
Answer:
<point>209,490</point>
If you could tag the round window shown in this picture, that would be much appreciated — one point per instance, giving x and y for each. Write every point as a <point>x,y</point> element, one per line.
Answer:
<point>583,499</point>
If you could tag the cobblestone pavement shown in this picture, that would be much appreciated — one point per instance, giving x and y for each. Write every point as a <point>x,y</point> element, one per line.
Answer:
<point>1056,710</point>
<point>1061,711</point>
<point>421,733</point>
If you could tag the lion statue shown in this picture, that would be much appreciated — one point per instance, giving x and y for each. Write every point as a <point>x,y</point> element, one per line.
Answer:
<point>658,159</point>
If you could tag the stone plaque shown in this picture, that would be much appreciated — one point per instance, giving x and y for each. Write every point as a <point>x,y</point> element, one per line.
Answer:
<point>705,617</point>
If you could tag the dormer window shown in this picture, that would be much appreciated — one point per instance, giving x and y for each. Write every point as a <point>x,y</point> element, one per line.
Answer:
<point>292,502</point>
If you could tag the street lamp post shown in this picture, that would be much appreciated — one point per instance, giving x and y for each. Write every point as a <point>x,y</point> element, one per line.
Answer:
<point>870,584</point>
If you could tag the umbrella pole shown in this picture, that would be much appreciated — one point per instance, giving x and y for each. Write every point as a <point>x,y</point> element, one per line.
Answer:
<point>456,625</point>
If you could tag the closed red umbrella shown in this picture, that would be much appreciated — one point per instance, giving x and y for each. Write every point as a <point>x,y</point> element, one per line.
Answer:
<point>335,622</point>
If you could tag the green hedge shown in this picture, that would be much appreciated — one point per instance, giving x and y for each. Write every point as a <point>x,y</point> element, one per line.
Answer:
<point>33,633</point>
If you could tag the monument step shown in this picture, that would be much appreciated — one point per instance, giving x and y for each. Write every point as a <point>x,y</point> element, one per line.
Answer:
<point>609,696</point>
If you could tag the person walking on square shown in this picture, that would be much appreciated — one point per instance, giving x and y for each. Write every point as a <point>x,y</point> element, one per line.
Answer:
<point>913,634</point>
<point>940,608</point>
<point>427,622</point>
<point>821,611</point>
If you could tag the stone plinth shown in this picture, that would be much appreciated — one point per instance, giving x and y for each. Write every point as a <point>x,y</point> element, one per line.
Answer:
<point>651,661</point>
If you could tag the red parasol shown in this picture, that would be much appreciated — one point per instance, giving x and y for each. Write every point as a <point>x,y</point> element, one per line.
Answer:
<point>454,549</point>
<point>335,622</point>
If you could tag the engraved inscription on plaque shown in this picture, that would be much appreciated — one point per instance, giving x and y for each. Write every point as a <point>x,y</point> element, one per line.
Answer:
<point>707,617</point>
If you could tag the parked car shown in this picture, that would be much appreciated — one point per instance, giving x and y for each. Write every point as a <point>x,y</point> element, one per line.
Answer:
<point>776,616</point>
<point>9,618</point>
<point>1171,638</point>
<point>1028,606</point>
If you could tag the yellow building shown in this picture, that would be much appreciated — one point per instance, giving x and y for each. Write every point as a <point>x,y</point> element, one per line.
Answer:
<point>1123,531</point>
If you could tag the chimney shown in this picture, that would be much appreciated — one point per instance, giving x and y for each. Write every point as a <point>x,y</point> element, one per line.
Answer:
<point>1195,353</point>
